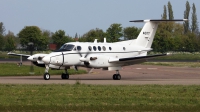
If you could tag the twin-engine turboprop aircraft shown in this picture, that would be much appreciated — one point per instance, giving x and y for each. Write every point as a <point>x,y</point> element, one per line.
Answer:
<point>108,56</point>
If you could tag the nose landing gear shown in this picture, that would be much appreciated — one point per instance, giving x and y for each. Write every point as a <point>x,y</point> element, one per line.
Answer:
<point>46,74</point>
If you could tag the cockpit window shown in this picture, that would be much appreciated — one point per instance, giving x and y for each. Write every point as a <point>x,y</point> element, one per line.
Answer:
<point>65,47</point>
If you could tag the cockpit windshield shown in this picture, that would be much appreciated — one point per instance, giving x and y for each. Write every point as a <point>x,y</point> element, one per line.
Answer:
<point>66,47</point>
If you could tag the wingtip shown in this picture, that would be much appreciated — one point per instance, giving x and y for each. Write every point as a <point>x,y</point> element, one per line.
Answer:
<point>169,54</point>
<point>9,53</point>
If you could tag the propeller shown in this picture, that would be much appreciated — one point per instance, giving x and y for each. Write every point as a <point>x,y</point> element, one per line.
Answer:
<point>40,58</point>
<point>84,59</point>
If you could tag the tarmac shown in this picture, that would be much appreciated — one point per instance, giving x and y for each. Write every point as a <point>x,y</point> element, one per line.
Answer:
<point>131,75</point>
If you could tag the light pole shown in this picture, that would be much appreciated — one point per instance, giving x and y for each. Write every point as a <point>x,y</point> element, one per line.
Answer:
<point>31,48</point>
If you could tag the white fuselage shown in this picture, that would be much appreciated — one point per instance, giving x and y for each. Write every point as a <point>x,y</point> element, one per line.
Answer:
<point>103,51</point>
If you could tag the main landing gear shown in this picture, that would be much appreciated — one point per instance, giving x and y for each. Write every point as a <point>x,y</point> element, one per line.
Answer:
<point>65,75</point>
<point>117,76</point>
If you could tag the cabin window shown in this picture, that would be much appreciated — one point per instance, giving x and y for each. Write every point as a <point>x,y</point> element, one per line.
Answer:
<point>110,48</point>
<point>79,48</point>
<point>124,48</point>
<point>94,48</point>
<point>104,48</point>
<point>90,48</point>
<point>99,48</point>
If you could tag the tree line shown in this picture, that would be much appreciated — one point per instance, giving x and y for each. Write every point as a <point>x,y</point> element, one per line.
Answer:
<point>170,36</point>
<point>175,36</point>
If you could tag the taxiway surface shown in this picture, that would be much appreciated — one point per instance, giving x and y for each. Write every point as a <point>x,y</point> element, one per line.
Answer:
<point>131,75</point>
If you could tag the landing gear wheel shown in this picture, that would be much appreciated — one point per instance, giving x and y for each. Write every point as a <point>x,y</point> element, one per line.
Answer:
<point>65,76</point>
<point>46,76</point>
<point>116,77</point>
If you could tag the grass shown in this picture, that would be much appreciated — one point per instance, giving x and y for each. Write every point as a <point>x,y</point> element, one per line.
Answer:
<point>9,69</point>
<point>80,97</point>
<point>175,64</point>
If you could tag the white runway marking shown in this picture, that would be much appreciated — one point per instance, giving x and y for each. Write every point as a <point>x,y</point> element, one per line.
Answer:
<point>152,68</point>
<point>146,68</point>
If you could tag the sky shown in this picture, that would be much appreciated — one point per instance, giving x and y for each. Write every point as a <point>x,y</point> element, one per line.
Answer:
<point>80,16</point>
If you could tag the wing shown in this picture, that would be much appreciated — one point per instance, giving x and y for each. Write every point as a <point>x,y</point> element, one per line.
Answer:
<point>15,54</point>
<point>134,60</point>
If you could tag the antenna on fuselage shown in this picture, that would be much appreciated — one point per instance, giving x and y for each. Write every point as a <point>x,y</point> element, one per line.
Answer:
<point>95,40</point>
<point>104,40</point>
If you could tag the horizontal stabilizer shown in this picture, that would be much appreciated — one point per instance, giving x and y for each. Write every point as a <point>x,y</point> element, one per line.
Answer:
<point>158,20</point>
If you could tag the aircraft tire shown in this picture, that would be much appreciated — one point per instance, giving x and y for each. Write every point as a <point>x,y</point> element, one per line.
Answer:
<point>118,77</point>
<point>46,76</point>
<point>115,77</point>
<point>65,76</point>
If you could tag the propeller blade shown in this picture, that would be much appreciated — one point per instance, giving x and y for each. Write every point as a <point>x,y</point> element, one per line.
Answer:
<point>79,53</point>
<point>76,68</point>
<point>90,70</point>
<point>84,59</point>
<point>40,62</point>
<point>87,54</point>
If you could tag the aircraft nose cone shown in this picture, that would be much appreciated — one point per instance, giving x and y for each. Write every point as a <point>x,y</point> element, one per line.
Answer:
<point>46,59</point>
<point>30,58</point>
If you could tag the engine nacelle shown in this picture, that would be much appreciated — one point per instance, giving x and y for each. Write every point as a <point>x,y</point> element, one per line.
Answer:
<point>36,57</point>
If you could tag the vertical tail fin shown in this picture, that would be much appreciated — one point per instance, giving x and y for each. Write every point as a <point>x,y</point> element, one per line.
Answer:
<point>146,36</point>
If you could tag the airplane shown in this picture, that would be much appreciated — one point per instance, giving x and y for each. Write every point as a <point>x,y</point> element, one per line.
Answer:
<point>104,55</point>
